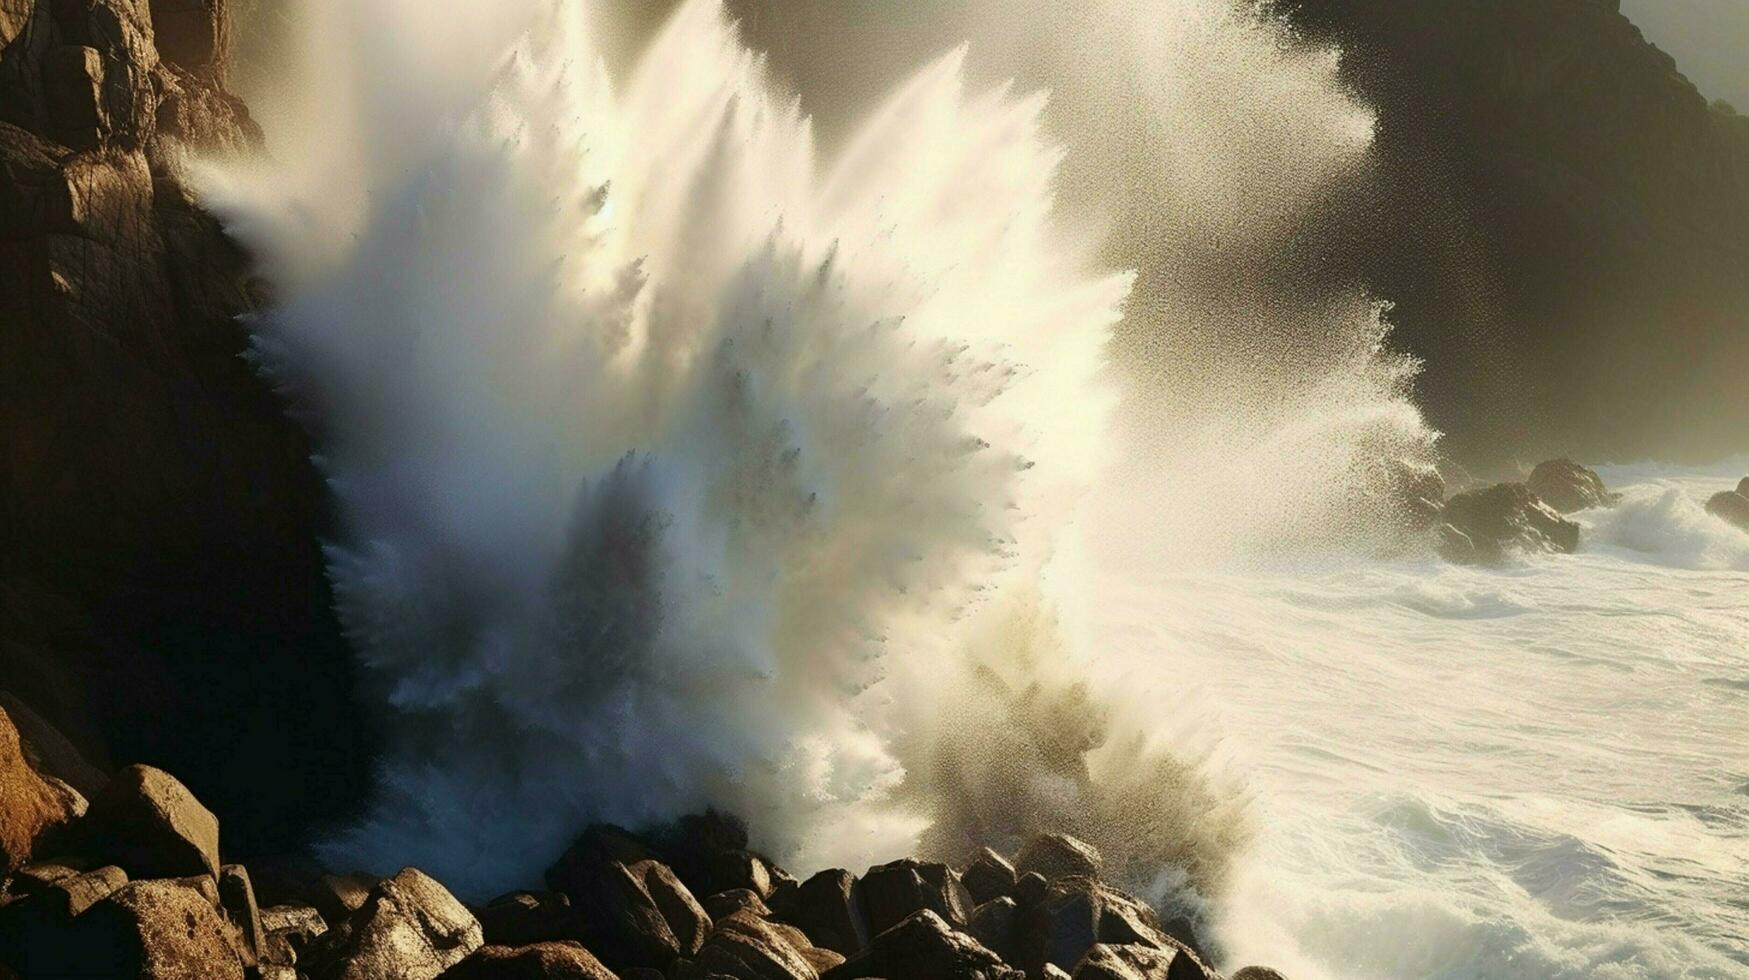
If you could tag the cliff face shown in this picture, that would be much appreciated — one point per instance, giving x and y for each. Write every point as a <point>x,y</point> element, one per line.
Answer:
<point>160,571</point>
<point>1561,219</point>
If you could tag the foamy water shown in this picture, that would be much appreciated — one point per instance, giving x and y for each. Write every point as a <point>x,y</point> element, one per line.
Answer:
<point>1538,772</point>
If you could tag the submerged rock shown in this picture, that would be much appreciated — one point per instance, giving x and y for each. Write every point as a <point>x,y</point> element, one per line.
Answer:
<point>1481,526</point>
<point>1568,487</point>
<point>1732,507</point>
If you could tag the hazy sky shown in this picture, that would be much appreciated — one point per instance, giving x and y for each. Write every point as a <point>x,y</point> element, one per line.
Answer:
<point>1709,39</point>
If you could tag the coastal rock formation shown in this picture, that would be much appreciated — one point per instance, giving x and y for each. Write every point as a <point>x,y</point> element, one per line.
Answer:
<point>1483,526</point>
<point>1560,219</point>
<point>161,517</point>
<point>1568,487</point>
<point>32,806</point>
<point>77,916</point>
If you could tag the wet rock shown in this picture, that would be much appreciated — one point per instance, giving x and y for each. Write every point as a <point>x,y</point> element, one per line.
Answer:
<point>539,961</point>
<point>686,918</point>
<point>735,900</point>
<point>1568,487</point>
<point>1061,927</point>
<point>621,921</point>
<point>526,918</point>
<point>410,928</point>
<point>1731,507</point>
<point>336,897</point>
<point>1029,889</point>
<point>1418,492</point>
<point>828,908</point>
<point>1058,856</point>
<point>237,901</point>
<point>1503,518</point>
<point>925,946</point>
<point>1258,973</point>
<point>996,924</point>
<point>33,808</point>
<point>891,893</point>
<point>988,876</point>
<point>1108,962</point>
<point>149,823</point>
<point>749,948</point>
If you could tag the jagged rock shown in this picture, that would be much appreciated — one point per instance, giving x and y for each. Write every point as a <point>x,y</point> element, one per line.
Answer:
<point>48,750</point>
<point>237,901</point>
<point>155,930</point>
<point>1058,856</point>
<point>924,946</point>
<point>1108,962</point>
<point>1258,973</point>
<point>288,932</point>
<point>336,897</point>
<point>735,900</point>
<point>526,918</point>
<point>410,928</point>
<point>747,947</point>
<point>1568,487</point>
<point>827,907</point>
<point>996,924</point>
<point>686,918</point>
<point>891,893</point>
<point>987,876</point>
<point>33,807</point>
<point>149,823</point>
<point>1500,518</point>
<point>539,961</point>
<point>1731,507</point>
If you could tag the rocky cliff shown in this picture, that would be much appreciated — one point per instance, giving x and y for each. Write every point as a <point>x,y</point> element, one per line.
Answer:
<point>160,569</point>
<point>1561,219</point>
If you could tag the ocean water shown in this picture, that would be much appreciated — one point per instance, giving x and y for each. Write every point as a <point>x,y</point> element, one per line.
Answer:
<point>1539,771</point>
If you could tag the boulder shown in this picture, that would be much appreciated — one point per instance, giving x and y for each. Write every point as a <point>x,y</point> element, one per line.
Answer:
<point>288,931</point>
<point>1743,486</point>
<point>539,961</point>
<point>156,930</point>
<point>1568,487</point>
<point>987,876</point>
<point>747,947</point>
<point>48,750</point>
<point>620,921</point>
<point>1502,518</point>
<point>996,924</point>
<point>735,900</point>
<point>33,807</point>
<point>1058,856</point>
<point>828,908</point>
<point>527,918</point>
<point>1731,507</point>
<point>1029,889</point>
<point>410,928</point>
<point>1258,973</point>
<point>1108,962</point>
<point>237,902</point>
<point>891,893</point>
<point>149,823</point>
<point>599,846</point>
<point>925,946</point>
<point>36,923</point>
<point>686,918</point>
<point>336,897</point>
<point>1061,927</point>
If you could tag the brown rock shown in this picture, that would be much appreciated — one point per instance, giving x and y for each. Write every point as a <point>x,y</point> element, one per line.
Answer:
<point>1730,507</point>
<point>526,918</point>
<point>1029,889</point>
<point>33,807</point>
<point>686,918</point>
<point>288,931</point>
<point>539,961</point>
<point>73,93</point>
<point>336,897</point>
<point>749,948</point>
<point>1568,487</point>
<point>925,946</point>
<point>1061,927</point>
<point>149,823</point>
<point>735,900</point>
<point>237,902</point>
<point>1058,856</point>
<point>996,924</point>
<point>1258,973</point>
<point>988,876</point>
<point>827,907</point>
<point>1108,962</point>
<point>47,750</point>
<point>157,930</point>
<point>891,893</point>
<point>410,928</point>
<point>193,34</point>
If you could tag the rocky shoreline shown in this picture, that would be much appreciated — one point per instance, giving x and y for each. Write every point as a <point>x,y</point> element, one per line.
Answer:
<point>134,884</point>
